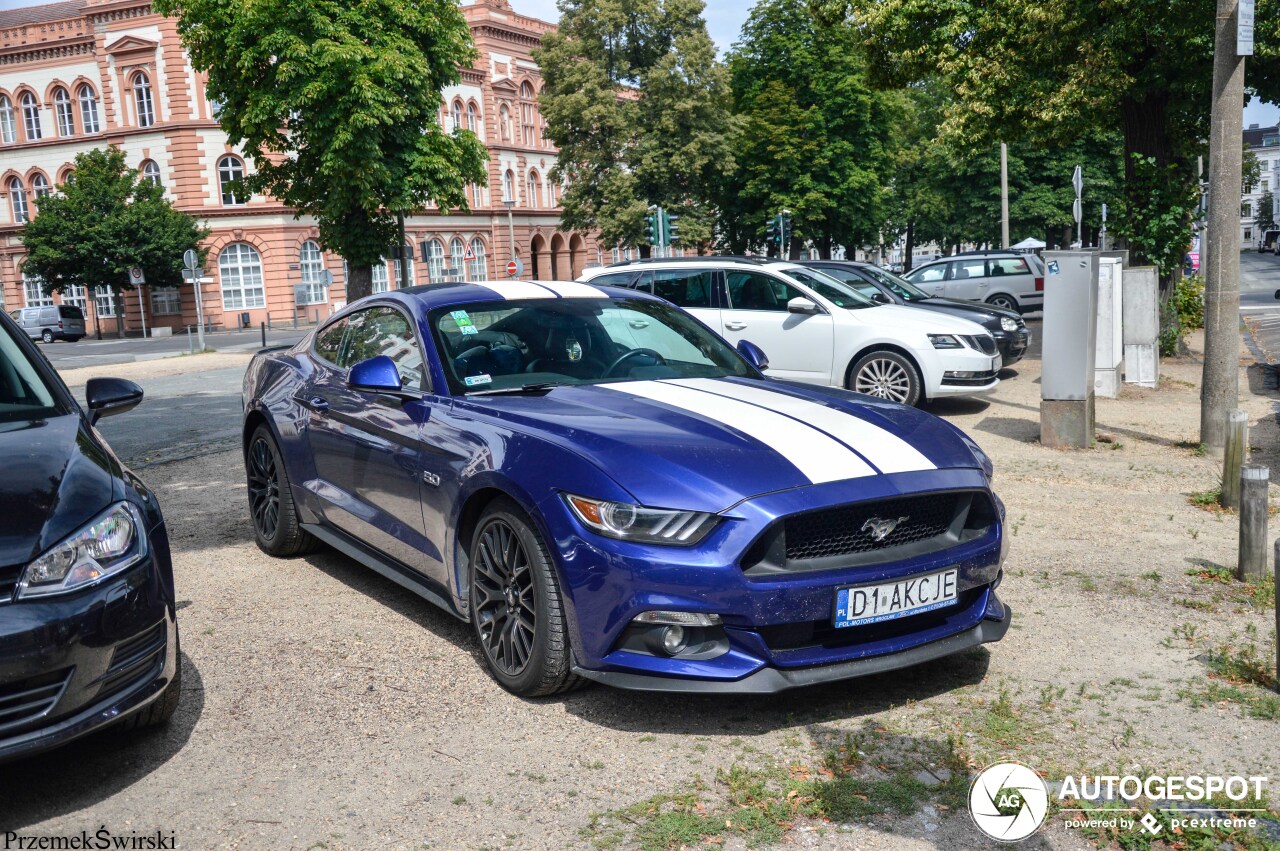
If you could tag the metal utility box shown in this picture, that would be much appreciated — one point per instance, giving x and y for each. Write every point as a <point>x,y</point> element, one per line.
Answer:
<point>1142,326</point>
<point>1109,347</point>
<point>1069,348</point>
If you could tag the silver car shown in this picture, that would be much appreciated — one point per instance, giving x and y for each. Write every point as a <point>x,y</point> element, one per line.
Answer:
<point>51,322</point>
<point>998,278</point>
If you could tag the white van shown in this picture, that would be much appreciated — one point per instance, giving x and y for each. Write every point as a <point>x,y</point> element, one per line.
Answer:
<point>53,322</point>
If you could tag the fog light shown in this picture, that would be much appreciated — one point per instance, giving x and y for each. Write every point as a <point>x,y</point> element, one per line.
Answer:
<point>678,618</point>
<point>673,640</point>
<point>952,374</point>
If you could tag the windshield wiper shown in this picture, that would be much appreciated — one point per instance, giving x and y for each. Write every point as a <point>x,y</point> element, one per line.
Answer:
<point>536,387</point>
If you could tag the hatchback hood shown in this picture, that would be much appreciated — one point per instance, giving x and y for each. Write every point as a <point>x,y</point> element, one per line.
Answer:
<point>56,478</point>
<point>922,322</point>
<point>707,444</point>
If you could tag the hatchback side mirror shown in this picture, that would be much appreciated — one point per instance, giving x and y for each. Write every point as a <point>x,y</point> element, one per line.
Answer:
<point>753,354</point>
<point>803,305</point>
<point>377,374</point>
<point>107,397</point>
<point>880,298</point>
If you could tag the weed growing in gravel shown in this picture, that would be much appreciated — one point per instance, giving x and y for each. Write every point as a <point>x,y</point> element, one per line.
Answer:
<point>1242,665</point>
<point>1153,575</point>
<point>1252,701</point>
<point>1259,595</point>
<point>1197,449</point>
<point>1170,835</point>
<point>1210,500</point>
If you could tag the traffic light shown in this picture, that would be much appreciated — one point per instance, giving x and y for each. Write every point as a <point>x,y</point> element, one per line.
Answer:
<point>671,228</point>
<point>771,232</point>
<point>654,224</point>
<point>784,224</point>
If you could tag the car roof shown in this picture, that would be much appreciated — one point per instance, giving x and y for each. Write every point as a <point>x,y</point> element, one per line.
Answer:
<point>432,296</point>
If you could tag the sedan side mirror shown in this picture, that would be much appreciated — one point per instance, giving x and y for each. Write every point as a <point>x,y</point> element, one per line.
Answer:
<point>376,375</point>
<point>107,397</point>
<point>753,354</point>
<point>803,305</point>
<point>880,298</point>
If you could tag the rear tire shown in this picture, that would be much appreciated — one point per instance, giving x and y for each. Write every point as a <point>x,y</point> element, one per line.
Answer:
<point>887,375</point>
<point>46,335</point>
<point>1007,302</point>
<point>276,527</point>
<point>515,605</point>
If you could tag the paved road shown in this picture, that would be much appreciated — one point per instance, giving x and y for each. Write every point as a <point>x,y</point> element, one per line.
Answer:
<point>91,352</point>
<point>1259,282</point>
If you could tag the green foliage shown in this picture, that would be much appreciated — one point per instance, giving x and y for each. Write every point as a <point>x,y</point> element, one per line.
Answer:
<point>102,222</point>
<point>1265,219</point>
<point>337,103</point>
<point>1155,214</point>
<point>1181,314</point>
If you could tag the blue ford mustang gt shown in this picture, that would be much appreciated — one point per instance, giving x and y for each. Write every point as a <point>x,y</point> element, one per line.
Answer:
<point>606,490</point>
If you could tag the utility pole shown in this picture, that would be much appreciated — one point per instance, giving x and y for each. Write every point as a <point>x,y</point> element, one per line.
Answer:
<point>1004,195</point>
<point>1220,387</point>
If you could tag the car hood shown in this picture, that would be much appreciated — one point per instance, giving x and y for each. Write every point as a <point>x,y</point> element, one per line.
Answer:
<point>708,444</point>
<point>56,478</point>
<point>982,314</point>
<point>922,322</point>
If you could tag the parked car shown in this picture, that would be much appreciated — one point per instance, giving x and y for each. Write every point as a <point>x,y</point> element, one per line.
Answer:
<point>607,490</point>
<point>816,330</point>
<point>1006,326</point>
<point>999,278</point>
<point>88,635</point>
<point>51,322</point>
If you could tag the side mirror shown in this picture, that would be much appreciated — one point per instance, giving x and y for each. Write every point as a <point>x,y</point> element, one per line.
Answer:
<point>880,298</point>
<point>1277,295</point>
<point>755,355</point>
<point>803,305</point>
<point>376,375</point>
<point>107,397</point>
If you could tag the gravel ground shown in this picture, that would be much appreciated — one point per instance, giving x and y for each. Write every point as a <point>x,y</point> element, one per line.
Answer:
<point>324,707</point>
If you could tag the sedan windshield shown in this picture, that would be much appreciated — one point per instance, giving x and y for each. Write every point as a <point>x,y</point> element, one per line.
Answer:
<point>24,394</point>
<point>902,287</point>
<point>839,294</point>
<point>518,346</point>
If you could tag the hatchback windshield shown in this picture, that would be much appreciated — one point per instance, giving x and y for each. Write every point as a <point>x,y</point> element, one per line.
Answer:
<point>24,395</point>
<point>512,346</point>
<point>839,294</point>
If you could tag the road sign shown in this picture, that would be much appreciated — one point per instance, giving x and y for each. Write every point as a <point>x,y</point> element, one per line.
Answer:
<point>1244,29</point>
<point>191,259</point>
<point>470,255</point>
<point>515,267</point>
<point>136,277</point>
<point>1077,181</point>
<point>1076,210</point>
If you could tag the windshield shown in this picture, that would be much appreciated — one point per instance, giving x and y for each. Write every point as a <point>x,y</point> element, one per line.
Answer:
<point>902,287</point>
<point>24,395</point>
<point>839,294</point>
<point>491,347</point>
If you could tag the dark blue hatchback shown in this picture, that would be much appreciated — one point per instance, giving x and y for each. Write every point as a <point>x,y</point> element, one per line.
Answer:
<point>607,490</point>
<point>87,629</point>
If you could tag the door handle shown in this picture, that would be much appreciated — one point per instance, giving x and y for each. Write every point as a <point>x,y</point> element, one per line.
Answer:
<point>319,404</point>
<point>735,326</point>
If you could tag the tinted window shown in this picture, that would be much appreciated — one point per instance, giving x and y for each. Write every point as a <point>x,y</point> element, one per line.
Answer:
<point>1009,266</point>
<point>24,395</point>
<point>964,269</point>
<point>839,293</point>
<point>613,279</point>
<point>384,331</point>
<point>70,312</point>
<point>928,274</point>
<point>329,341</point>
<point>684,288</point>
<point>754,291</point>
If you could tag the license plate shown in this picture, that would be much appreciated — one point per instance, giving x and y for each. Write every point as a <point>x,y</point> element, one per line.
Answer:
<point>997,363</point>
<point>866,604</point>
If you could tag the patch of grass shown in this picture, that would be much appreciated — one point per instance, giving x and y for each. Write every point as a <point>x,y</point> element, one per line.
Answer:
<point>1260,594</point>
<point>1187,603</point>
<point>1003,724</point>
<point>1153,575</point>
<point>1196,449</point>
<point>1169,835</point>
<point>1243,665</point>
<point>1210,500</point>
<point>1253,702</point>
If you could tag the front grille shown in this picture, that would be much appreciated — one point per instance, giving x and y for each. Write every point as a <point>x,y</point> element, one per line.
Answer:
<point>844,536</point>
<point>26,700</point>
<point>9,577</point>
<point>984,343</point>
<point>133,659</point>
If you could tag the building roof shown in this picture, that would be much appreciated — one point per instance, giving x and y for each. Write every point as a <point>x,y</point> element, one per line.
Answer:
<point>40,14</point>
<point>1256,137</point>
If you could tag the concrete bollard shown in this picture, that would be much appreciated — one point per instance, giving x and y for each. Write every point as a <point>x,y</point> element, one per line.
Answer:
<point>1233,456</point>
<point>264,335</point>
<point>191,347</point>
<point>1253,522</point>
<point>1277,577</point>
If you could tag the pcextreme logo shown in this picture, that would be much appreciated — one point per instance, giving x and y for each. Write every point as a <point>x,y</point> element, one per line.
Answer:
<point>1008,801</point>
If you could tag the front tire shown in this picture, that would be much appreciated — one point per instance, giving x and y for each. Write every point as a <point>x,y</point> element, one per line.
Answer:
<point>1005,302</point>
<point>276,526</point>
<point>515,604</point>
<point>887,375</point>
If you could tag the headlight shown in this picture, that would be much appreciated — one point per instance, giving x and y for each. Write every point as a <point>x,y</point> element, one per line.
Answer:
<point>628,522</point>
<point>1008,323</point>
<point>112,542</point>
<point>945,341</point>
<point>984,461</point>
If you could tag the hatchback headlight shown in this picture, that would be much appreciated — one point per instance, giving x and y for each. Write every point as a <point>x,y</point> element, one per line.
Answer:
<point>1008,323</point>
<point>945,341</point>
<point>628,522</point>
<point>113,541</point>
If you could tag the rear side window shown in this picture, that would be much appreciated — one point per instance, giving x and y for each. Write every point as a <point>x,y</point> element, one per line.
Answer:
<point>614,279</point>
<point>681,287</point>
<point>964,269</point>
<point>1009,266</point>
<point>329,341</point>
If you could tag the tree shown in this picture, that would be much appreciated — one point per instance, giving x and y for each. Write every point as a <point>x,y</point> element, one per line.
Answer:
<point>814,136</point>
<point>1266,214</point>
<point>338,105</point>
<point>102,222</point>
<point>637,104</point>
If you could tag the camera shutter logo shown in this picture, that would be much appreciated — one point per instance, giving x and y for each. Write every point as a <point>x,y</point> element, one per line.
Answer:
<point>1008,801</point>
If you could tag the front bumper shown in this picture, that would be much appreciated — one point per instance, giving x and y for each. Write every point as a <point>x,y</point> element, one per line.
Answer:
<point>73,664</point>
<point>964,372</point>
<point>1012,344</point>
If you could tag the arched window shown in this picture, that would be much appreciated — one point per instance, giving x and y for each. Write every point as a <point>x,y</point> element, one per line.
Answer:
<point>240,267</point>
<point>552,200</point>
<point>62,111</point>
<point>381,283</point>
<point>30,116</point>
<point>142,100</point>
<point>88,109</point>
<point>40,186</point>
<point>528,115</point>
<point>311,264</point>
<point>68,175</point>
<point>150,172</point>
<point>473,117</point>
<point>509,186</point>
<point>458,256</point>
<point>504,123</point>
<point>17,200</point>
<point>406,251</point>
<point>457,115</point>
<point>534,194</point>
<point>230,170</point>
<point>435,261</point>
<point>477,269</point>
<point>8,127</point>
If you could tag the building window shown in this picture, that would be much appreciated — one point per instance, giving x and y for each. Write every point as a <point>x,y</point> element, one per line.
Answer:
<point>473,118</point>
<point>504,124</point>
<point>142,100</point>
<point>457,115</point>
<point>380,280</point>
<point>241,268</point>
<point>76,296</point>
<point>104,302</point>
<point>458,256</point>
<point>1248,234</point>
<point>552,200</point>
<point>230,170</point>
<point>63,113</point>
<point>509,186</point>
<point>166,301</point>
<point>311,262</point>
<point>88,109</point>
<point>17,201</point>
<point>534,195</point>
<point>528,115</point>
<point>406,251</point>
<point>435,261</point>
<point>477,269</point>
<point>8,127</point>
<point>33,293</point>
<point>39,186</point>
<point>1246,210</point>
<point>477,195</point>
<point>151,172</point>
<point>30,116</point>
<point>1266,184</point>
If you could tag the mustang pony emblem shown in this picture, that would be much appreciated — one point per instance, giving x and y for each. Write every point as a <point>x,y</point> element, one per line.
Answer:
<point>881,529</point>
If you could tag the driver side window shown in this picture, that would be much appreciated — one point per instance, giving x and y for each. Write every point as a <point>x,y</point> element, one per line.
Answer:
<point>754,291</point>
<point>384,331</point>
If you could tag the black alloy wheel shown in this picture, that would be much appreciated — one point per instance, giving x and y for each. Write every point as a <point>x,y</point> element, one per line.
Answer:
<point>275,518</point>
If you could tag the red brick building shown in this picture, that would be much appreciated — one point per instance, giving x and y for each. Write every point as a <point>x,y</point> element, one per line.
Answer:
<point>81,74</point>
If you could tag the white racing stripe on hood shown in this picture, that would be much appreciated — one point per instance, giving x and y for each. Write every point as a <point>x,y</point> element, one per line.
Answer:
<point>516,289</point>
<point>888,452</point>
<point>572,289</point>
<point>815,454</point>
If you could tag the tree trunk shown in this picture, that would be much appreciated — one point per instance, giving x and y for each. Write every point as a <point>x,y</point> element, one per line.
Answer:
<point>910,247</point>
<point>793,253</point>
<point>646,251</point>
<point>824,248</point>
<point>1145,125</point>
<point>359,282</point>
